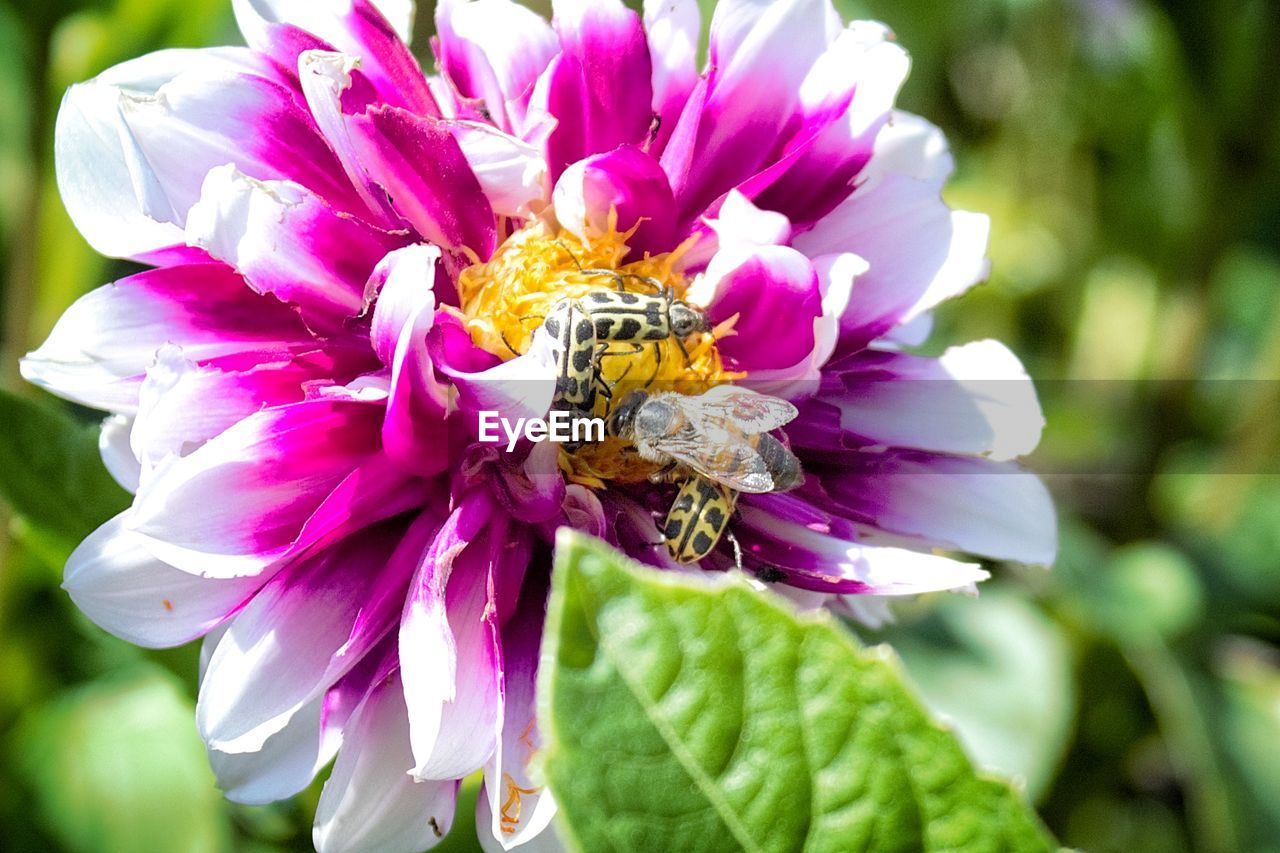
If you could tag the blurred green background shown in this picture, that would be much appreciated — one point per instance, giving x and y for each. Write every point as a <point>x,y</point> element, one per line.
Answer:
<point>1128,153</point>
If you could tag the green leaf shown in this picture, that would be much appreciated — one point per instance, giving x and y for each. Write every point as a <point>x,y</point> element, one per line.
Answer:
<point>686,714</point>
<point>51,473</point>
<point>999,671</point>
<point>118,766</point>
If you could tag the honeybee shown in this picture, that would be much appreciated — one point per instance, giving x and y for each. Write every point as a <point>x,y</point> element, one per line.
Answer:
<point>722,434</point>
<point>718,442</point>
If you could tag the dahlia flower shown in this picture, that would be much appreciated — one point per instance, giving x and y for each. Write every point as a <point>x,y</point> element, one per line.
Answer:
<point>347,261</point>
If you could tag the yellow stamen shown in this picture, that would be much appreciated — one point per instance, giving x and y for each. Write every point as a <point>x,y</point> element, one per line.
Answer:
<point>506,299</point>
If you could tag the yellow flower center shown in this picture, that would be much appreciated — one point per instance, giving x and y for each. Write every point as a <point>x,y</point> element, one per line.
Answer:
<point>505,300</point>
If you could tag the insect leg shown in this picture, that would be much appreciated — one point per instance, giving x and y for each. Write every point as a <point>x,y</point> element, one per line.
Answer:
<point>737,548</point>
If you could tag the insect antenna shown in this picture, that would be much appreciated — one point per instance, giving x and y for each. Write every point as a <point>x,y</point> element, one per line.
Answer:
<point>507,343</point>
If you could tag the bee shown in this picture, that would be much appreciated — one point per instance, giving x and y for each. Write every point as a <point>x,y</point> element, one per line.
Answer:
<point>718,442</point>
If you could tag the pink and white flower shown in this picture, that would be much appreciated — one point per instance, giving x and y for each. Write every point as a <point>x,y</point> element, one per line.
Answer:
<point>292,386</point>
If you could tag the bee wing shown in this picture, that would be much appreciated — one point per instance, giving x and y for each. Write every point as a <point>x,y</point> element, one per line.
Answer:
<point>726,458</point>
<point>752,412</point>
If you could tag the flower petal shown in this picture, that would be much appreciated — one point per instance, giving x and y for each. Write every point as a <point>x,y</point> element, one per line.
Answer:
<point>975,398</point>
<point>600,87</point>
<point>370,802</point>
<point>512,173</point>
<point>624,187</point>
<point>237,504</point>
<point>306,628</point>
<point>420,165</point>
<point>823,561</point>
<point>920,252</point>
<point>760,52</point>
<point>673,28</point>
<point>106,184</point>
<point>996,509</point>
<point>116,582</point>
<point>202,119</point>
<point>493,51</point>
<point>355,27</point>
<point>283,767</point>
<point>520,806</point>
<point>101,347</point>
<point>768,288</point>
<point>414,431</point>
<point>288,243</point>
<point>117,455</point>
<point>450,655</point>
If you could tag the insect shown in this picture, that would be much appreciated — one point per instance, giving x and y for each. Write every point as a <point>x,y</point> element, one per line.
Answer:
<point>722,434</point>
<point>574,346</point>
<point>640,318</point>
<point>719,442</point>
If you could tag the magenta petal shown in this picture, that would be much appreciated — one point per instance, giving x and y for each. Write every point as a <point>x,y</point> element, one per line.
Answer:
<point>599,89</point>
<point>282,29</point>
<point>414,431</point>
<point>288,243</point>
<point>201,120</point>
<point>493,51</point>
<point>303,631</point>
<point>237,504</point>
<point>760,54</point>
<point>673,28</point>
<point>418,162</point>
<point>104,343</point>
<point>996,509</point>
<point>626,181</point>
<point>770,288</point>
<point>449,651</point>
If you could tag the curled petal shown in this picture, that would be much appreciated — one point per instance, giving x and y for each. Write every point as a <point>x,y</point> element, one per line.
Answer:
<point>370,802</point>
<point>101,347</point>
<point>288,243</point>
<point>767,288</point>
<point>493,51</point>
<point>626,183</point>
<point>414,429</point>
<point>116,582</point>
<point>110,190</point>
<point>355,27</point>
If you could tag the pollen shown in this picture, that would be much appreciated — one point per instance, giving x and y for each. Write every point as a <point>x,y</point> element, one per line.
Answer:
<point>505,300</point>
